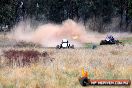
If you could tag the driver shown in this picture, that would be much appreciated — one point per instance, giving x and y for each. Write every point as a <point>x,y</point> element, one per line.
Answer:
<point>110,38</point>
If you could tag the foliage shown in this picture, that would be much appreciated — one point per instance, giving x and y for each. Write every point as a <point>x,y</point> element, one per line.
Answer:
<point>130,8</point>
<point>13,11</point>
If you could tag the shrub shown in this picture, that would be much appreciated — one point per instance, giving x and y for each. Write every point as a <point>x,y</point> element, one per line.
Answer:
<point>25,57</point>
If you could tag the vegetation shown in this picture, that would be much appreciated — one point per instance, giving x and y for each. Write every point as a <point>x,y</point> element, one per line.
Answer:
<point>100,11</point>
<point>127,40</point>
<point>22,58</point>
<point>65,69</point>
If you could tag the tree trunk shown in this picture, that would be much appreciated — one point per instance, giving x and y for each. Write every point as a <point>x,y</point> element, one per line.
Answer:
<point>121,14</point>
<point>127,15</point>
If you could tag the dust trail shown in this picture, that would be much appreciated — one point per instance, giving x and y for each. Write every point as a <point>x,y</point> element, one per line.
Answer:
<point>49,35</point>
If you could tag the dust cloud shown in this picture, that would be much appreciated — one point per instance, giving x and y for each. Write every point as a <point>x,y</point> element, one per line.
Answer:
<point>50,35</point>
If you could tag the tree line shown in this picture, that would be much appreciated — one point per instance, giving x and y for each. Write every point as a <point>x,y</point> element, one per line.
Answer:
<point>101,12</point>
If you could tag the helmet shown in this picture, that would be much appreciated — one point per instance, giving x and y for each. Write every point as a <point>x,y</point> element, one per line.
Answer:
<point>110,36</point>
<point>64,40</point>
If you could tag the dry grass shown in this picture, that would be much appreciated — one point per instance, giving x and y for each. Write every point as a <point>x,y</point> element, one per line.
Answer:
<point>105,62</point>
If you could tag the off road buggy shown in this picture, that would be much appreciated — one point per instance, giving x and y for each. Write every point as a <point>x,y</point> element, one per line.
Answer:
<point>65,44</point>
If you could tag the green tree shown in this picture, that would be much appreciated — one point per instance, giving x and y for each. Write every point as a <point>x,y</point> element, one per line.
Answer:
<point>7,12</point>
<point>130,8</point>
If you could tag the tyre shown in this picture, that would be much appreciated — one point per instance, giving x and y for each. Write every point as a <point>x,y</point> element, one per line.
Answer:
<point>103,42</point>
<point>72,47</point>
<point>60,46</point>
<point>85,81</point>
<point>68,46</point>
<point>57,47</point>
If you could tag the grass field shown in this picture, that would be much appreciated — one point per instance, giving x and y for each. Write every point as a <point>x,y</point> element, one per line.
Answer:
<point>127,40</point>
<point>104,62</point>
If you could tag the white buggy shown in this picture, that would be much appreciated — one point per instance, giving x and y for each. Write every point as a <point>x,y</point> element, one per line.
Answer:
<point>65,44</point>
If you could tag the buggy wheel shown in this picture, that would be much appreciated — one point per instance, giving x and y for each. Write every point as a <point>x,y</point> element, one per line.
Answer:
<point>57,47</point>
<point>61,46</point>
<point>84,81</point>
<point>68,46</point>
<point>103,42</point>
<point>72,47</point>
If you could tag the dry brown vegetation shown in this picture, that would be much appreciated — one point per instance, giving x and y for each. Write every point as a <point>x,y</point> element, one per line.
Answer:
<point>24,57</point>
<point>26,44</point>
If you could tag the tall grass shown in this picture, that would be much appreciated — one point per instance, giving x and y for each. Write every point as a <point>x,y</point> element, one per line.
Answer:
<point>105,62</point>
